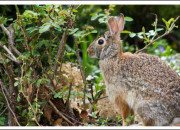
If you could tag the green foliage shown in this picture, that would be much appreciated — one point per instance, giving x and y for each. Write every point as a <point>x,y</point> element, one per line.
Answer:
<point>130,118</point>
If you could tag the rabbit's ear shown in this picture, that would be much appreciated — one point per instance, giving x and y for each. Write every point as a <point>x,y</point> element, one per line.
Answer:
<point>120,22</point>
<point>113,26</point>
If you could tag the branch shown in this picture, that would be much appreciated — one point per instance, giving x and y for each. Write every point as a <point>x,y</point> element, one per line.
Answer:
<point>35,35</point>
<point>3,111</point>
<point>60,114</point>
<point>78,7</point>
<point>2,87</point>
<point>166,33</point>
<point>13,58</point>
<point>24,33</point>
<point>10,35</point>
<point>69,94</point>
<point>81,69</point>
<point>61,49</point>
<point>5,30</point>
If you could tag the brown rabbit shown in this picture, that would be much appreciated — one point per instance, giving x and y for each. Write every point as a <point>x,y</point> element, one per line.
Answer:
<point>138,83</point>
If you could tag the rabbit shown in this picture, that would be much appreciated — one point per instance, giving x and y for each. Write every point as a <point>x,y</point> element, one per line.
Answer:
<point>138,84</point>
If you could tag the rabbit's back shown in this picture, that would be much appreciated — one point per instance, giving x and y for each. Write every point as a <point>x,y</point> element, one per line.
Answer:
<point>154,75</point>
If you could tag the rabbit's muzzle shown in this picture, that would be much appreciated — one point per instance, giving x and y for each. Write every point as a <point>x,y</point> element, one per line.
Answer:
<point>91,52</point>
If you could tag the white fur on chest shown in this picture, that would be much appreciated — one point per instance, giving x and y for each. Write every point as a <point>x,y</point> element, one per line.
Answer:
<point>116,87</point>
<point>114,92</point>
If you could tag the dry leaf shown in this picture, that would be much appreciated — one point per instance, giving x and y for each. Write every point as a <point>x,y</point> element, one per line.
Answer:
<point>58,122</point>
<point>84,115</point>
<point>48,112</point>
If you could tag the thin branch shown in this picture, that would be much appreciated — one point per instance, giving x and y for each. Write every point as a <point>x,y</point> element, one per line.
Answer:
<point>78,7</point>
<point>24,33</point>
<point>3,111</point>
<point>67,102</point>
<point>166,33</point>
<point>10,35</point>
<point>10,53</point>
<point>61,49</point>
<point>59,113</point>
<point>35,35</point>
<point>155,26</point>
<point>92,92</point>
<point>102,98</point>
<point>2,86</point>
<point>16,51</point>
<point>81,68</point>
<point>5,30</point>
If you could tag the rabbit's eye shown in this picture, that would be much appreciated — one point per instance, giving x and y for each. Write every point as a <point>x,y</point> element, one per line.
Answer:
<point>101,41</point>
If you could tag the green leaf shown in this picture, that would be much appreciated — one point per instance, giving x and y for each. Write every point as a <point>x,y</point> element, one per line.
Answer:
<point>140,35</point>
<point>89,95</point>
<point>38,82</point>
<point>56,26</point>
<point>102,20</point>
<point>78,33</point>
<point>94,31</point>
<point>16,83</point>
<point>44,28</point>
<point>152,32</point>
<point>126,31</point>
<point>19,107</point>
<point>74,10</point>
<point>72,96</point>
<point>167,24</point>
<point>94,16</point>
<point>30,14</point>
<point>2,120</point>
<point>73,31</point>
<point>159,29</point>
<point>58,95</point>
<point>170,20</point>
<point>94,115</point>
<point>24,112</point>
<point>132,34</point>
<point>18,98</point>
<point>128,19</point>
<point>97,94</point>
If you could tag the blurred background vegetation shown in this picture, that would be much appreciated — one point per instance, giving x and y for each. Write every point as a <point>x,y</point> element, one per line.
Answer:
<point>49,22</point>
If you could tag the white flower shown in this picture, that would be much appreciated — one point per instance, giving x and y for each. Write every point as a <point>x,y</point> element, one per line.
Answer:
<point>89,78</point>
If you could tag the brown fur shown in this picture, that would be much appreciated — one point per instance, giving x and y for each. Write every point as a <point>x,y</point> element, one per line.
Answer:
<point>123,109</point>
<point>139,82</point>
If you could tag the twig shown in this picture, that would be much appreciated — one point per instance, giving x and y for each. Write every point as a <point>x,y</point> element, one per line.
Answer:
<point>49,13</point>
<point>102,98</point>
<point>166,33</point>
<point>24,33</point>
<point>78,7</point>
<point>10,35</point>
<point>59,113</point>
<point>35,35</point>
<point>81,69</point>
<point>92,92</point>
<point>67,102</point>
<point>10,53</point>
<point>61,49</point>
<point>27,97</point>
<point>156,20</point>
<point>5,30</point>
<point>2,86</point>
<point>3,111</point>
